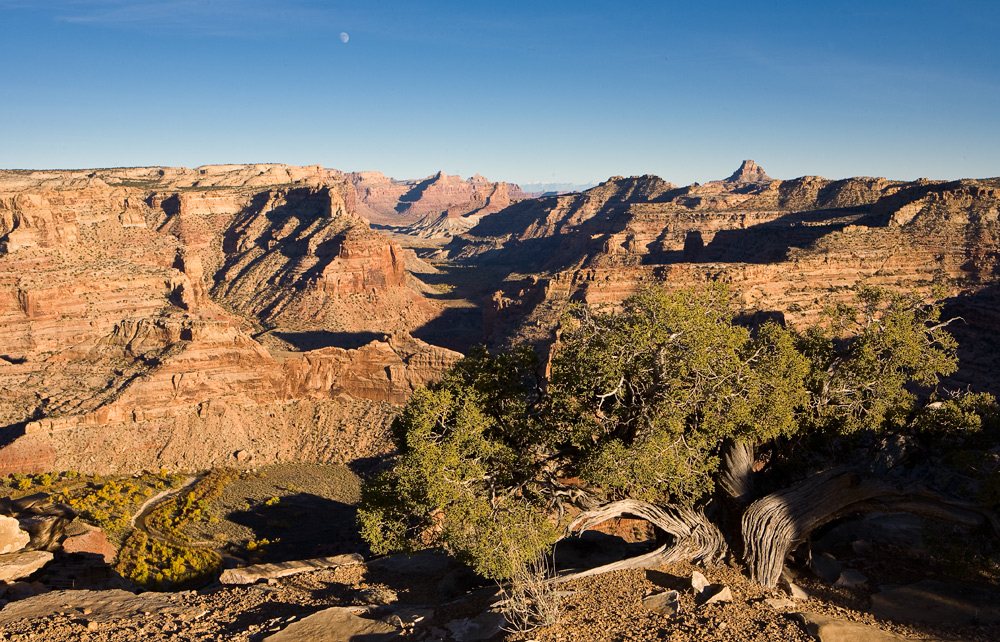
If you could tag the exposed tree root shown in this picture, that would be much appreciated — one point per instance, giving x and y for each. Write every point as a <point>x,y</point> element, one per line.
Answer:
<point>775,524</point>
<point>694,538</point>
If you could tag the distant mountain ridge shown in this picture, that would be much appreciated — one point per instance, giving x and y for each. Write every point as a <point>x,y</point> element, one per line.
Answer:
<point>437,205</point>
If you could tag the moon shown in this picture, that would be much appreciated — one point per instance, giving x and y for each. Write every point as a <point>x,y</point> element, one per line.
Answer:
<point>344,37</point>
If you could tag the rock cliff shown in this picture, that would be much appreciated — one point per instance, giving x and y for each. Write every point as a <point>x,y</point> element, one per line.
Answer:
<point>437,206</point>
<point>787,247</point>
<point>129,301</point>
<point>174,317</point>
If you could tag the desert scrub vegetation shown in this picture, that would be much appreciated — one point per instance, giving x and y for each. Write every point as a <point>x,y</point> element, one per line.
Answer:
<point>159,565</point>
<point>105,502</point>
<point>169,518</point>
<point>667,405</point>
<point>169,559</point>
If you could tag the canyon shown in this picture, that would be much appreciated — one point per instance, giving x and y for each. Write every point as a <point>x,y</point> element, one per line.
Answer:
<point>158,317</point>
<point>189,318</point>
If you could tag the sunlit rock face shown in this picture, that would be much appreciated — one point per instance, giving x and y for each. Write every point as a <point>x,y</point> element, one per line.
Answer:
<point>786,247</point>
<point>129,302</point>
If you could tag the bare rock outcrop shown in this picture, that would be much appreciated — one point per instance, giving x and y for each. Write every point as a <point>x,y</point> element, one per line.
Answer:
<point>127,302</point>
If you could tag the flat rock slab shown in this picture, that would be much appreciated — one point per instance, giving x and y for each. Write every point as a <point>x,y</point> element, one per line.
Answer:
<point>937,603</point>
<point>89,540</point>
<point>14,566</point>
<point>257,572</point>
<point>336,624</point>
<point>830,629</point>
<point>98,606</point>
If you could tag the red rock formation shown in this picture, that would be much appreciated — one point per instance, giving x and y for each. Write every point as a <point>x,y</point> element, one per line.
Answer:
<point>115,355</point>
<point>422,203</point>
<point>785,246</point>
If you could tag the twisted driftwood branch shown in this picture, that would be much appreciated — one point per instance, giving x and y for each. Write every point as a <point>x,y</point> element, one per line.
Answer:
<point>775,524</point>
<point>694,537</point>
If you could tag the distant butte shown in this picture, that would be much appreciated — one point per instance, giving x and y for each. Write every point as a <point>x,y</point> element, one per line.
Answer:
<point>749,172</point>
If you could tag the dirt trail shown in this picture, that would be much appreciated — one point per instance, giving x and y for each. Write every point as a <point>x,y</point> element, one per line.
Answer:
<point>139,519</point>
<point>147,506</point>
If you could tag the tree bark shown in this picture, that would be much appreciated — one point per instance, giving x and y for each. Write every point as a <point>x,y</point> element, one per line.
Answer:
<point>775,524</point>
<point>736,479</point>
<point>694,537</point>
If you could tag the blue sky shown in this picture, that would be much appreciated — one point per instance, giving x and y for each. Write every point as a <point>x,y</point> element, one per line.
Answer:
<point>526,92</point>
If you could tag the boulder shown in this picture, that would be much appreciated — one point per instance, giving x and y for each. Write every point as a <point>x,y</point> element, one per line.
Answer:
<point>84,538</point>
<point>667,603</point>
<point>706,593</point>
<point>12,538</point>
<point>37,515</point>
<point>793,589</point>
<point>723,594</point>
<point>699,583</point>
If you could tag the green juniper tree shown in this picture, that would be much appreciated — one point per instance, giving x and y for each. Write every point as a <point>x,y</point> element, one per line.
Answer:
<point>653,411</point>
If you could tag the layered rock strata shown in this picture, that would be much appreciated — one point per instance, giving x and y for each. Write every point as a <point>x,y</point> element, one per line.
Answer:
<point>434,207</point>
<point>787,247</point>
<point>129,301</point>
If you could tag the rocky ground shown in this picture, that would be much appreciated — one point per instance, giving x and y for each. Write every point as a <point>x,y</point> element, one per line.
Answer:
<point>881,578</point>
<point>433,598</point>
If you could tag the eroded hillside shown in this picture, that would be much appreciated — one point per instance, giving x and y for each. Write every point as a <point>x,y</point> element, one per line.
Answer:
<point>186,318</point>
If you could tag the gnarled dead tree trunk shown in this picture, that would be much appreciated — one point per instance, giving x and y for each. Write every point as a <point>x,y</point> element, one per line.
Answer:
<point>775,524</point>
<point>694,537</point>
<point>736,472</point>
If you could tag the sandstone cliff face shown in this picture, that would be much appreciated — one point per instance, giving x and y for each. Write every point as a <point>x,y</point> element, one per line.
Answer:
<point>437,206</point>
<point>112,335</point>
<point>215,376</point>
<point>787,247</point>
<point>301,260</point>
<point>172,317</point>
